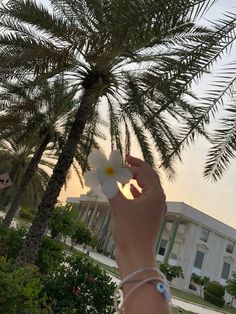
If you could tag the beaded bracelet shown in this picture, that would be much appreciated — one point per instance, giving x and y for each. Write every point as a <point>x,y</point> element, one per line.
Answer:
<point>159,283</point>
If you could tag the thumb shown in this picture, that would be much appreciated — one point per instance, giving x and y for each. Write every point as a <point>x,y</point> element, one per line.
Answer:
<point>118,200</point>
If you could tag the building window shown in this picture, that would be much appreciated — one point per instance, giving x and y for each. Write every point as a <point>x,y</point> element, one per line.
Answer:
<point>175,251</point>
<point>204,235</point>
<point>169,225</point>
<point>199,260</point>
<point>182,227</point>
<point>230,247</point>
<point>162,248</point>
<point>225,271</point>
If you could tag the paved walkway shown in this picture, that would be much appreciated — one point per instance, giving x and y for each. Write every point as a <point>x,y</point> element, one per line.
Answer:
<point>176,302</point>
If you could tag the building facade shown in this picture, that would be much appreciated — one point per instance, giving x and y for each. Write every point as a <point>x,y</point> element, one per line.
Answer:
<point>188,238</point>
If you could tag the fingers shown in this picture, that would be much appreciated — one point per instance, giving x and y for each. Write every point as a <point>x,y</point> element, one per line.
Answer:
<point>135,162</point>
<point>134,191</point>
<point>119,199</point>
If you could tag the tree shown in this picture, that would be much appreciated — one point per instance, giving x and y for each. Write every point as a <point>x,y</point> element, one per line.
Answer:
<point>16,156</point>
<point>171,272</point>
<point>83,235</point>
<point>47,109</point>
<point>200,281</point>
<point>231,287</point>
<point>63,221</point>
<point>135,56</point>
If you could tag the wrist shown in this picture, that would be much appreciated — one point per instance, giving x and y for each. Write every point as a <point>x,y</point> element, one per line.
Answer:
<point>129,263</point>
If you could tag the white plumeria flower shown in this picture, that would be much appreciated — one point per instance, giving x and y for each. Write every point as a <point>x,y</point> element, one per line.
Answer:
<point>106,172</point>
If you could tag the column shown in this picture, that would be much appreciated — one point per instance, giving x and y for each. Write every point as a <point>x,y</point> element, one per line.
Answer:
<point>104,229</point>
<point>160,234</point>
<point>171,242</point>
<point>90,223</point>
<point>85,213</point>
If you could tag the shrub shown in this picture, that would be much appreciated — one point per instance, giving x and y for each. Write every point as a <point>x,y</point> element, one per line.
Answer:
<point>79,286</point>
<point>213,299</point>
<point>11,241</point>
<point>214,293</point>
<point>50,255</point>
<point>215,288</point>
<point>26,214</point>
<point>21,290</point>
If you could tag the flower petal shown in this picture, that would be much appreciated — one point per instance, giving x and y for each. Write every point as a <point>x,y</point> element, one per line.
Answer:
<point>123,175</point>
<point>110,187</point>
<point>115,158</point>
<point>97,159</point>
<point>91,178</point>
<point>102,176</point>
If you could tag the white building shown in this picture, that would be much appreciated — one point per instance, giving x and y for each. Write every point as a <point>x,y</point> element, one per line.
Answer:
<point>188,238</point>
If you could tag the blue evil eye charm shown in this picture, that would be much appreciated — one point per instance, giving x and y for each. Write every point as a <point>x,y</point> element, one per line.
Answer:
<point>163,290</point>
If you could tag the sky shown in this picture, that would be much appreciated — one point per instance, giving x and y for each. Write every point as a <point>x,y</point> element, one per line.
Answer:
<point>215,199</point>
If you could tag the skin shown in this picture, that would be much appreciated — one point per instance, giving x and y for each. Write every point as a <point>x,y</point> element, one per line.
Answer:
<point>135,226</point>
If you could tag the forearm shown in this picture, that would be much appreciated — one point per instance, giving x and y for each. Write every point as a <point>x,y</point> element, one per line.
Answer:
<point>146,296</point>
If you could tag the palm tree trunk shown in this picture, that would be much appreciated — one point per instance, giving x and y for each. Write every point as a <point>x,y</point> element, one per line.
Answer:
<point>30,171</point>
<point>32,242</point>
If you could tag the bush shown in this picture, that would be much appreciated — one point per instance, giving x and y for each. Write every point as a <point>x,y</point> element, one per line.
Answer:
<point>79,286</point>
<point>11,241</point>
<point>50,255</point>
<point>21,290</point>
<point>213,299</point>
<point>214,293</point>
<point>215,289</point>
<point>26,214</point>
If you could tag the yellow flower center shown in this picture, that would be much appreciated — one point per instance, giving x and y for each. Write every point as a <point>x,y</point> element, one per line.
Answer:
<point>109,171</point>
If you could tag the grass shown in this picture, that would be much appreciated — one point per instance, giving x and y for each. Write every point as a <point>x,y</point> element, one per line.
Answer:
<point>180,310</point>
<point>192,298</point>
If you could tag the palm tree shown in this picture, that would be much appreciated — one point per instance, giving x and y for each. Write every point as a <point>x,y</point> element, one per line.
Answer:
<point>131,56</point>
<point>221,96</point>
<point>47,111</point>
<point>18,155</point>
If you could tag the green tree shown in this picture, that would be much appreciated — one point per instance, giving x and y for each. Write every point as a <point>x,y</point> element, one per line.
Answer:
<point>171,272</point>
<point>48,110</point>
<point>83,235</point>
<point>18,155</point>
<point>200,281</point>
<point>45,110</point>
<point>231,287</point>
<point>138,57</point>
<point>63,221</point>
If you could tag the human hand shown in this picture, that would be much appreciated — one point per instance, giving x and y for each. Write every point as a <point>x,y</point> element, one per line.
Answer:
<point>135,223</point>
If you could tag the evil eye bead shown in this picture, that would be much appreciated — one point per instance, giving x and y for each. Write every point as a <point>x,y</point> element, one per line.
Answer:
<point>160,287</point>
<point>163,290</point>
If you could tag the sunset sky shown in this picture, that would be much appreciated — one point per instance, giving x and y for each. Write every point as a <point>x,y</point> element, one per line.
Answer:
<point>215,199</point>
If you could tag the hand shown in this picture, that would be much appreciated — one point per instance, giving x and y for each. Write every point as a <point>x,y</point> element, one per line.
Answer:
<point>135,223</point>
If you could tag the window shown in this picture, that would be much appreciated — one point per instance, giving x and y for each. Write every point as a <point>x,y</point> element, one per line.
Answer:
<point>169,225</point>
<point>182,227</point>
<point>230,247</point>
<point>162,248</point>
<point>199,260</point>
<point>175,251</point>
<point>225,271</point>
<point>204,235</point>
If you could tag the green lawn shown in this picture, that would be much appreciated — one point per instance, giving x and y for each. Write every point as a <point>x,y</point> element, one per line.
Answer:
<point>180,310</point>
<point>192,298</point>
